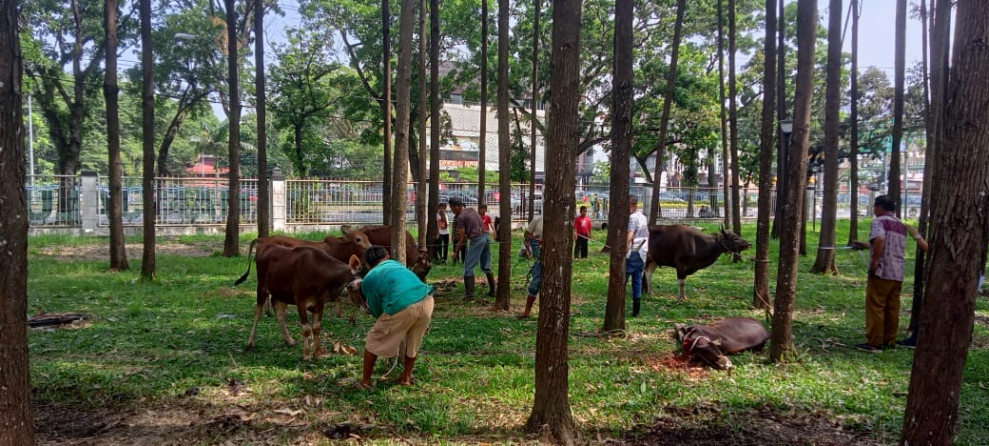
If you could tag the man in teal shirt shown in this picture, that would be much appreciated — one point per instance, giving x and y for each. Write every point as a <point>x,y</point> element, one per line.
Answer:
<point>404,308</point>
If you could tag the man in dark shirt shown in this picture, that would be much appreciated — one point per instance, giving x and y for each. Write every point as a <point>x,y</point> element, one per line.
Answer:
<point>471,227</point>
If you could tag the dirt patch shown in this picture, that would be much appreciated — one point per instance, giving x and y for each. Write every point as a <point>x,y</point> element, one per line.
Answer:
<point>685,364</point>
<point>134,251</point>
<point>710,424</point>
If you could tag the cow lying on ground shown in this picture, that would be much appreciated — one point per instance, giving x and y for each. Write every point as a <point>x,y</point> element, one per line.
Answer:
<point>305,277</point>
<point>688,250</point>
<point>712,342</point>
<point>415,258</point>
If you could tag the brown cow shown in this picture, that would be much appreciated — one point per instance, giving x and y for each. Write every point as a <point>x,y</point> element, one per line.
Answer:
<point>415,258</point>
<point>713,342</point>
<point>688,250</point>
<point>305,277</point>
<point>340,248</point>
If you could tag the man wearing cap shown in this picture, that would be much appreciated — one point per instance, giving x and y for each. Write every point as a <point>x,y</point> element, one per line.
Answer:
<point>471,227</point>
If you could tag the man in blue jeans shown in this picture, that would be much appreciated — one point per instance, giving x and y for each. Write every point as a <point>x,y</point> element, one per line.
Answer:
<point>637,241</point>
<point>471,227</point>
<point>533,242</point>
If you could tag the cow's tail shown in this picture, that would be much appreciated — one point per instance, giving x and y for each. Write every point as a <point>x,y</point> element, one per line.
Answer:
<point>244,277</point>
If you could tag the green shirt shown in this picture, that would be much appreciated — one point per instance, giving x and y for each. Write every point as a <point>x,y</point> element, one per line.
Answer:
<point>390,287</point>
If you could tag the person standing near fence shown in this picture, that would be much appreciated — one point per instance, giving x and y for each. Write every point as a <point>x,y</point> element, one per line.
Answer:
<point>470,227</point>
<point>443,242</point>
<point>637,239</point>
<point>582,226</point>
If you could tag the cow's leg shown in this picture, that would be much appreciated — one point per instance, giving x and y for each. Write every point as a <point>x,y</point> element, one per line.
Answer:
<point>317,318</point>
<point>647,277</point>
<point>306,329</point>
<point>280,308</point>
<point>682,281</point>
<point>267,307</point>
<point>254,328</point>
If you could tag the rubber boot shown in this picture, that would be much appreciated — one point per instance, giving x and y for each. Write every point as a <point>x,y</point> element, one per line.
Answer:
<point>528,307</point>
<point>492,288</point>
<point>468,288</point>
<point>636,305</point>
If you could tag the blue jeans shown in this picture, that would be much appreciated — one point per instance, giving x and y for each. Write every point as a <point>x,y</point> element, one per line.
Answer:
<point>479,251</point>
<point>537,271</point>
<point>633,268</point>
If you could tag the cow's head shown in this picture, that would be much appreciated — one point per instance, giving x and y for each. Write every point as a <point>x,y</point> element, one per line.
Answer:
<point>707,350</point>
<point>357,237</point>
<point>733,242</point>
<point>354,286</point>
<point>422,265</point>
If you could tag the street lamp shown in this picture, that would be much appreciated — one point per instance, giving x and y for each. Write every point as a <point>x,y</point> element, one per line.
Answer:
<point>786,125</point>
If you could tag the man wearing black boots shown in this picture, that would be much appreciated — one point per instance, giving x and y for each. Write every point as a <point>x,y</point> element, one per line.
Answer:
<point>637,239</point>
<point>471,227</point>
<point>534,243</point>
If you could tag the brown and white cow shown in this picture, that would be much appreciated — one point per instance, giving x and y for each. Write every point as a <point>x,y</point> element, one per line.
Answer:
<point>415,257</point>
<point>305,277</point>
<point>713,342</point>
<point>688,250</point>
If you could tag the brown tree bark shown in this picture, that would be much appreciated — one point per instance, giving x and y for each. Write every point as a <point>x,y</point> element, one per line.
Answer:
<point>736,215</point>
<point>786,277</point>
<point>761,297</point>
<point>503,301</point>
<point>958,237</point>
<point>782,139</point>
<point>264,195</point>
<point>535,107</point>
<point>899,70</point>
<point>400,176</point>
<point>824,263</point>
<point>482,155</point>
<point>432,231</point>
<point>621,146</point>
<point>231,240</point>
<point>16,414</point>
<point>118,255</point>
<point>551,407</point>
<point>148,260</point>
<point>853,231</point>
<point>664,121</point>
<point>386,186</point>
<point>423,213</point>
<point>725,158</point>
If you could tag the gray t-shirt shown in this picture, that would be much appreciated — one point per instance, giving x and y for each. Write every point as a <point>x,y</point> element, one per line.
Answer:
<point>470,221</point>
<point>640,243</point>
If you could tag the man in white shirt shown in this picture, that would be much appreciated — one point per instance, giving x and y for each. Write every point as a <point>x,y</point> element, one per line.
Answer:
<point>637,240</point>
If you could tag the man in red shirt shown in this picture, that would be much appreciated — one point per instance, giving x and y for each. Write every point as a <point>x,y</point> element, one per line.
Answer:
<point>583,228</point>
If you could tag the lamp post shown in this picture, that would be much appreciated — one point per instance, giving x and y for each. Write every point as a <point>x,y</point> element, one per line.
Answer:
<point>786,128</point>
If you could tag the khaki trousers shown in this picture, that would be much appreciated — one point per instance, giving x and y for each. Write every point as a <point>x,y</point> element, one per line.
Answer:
<point>882,311</point>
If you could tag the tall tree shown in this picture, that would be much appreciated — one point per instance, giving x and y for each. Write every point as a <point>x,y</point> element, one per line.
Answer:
<point>958,233</point>
<point>551,406</point>
<point>148,261</point>
<point>786,276</point>
<point>386,186</point>
<point>824,263</point>
<point>111,91</point>
<point>671,77</point>
<point>262,119</point>
<point>853,139</point>
<point>899,75</point>
<point>761,297</point>
<point>16,414</point>
<point>503,301</point>
<point>400,176</point>
<point>736,216</point>
<point>432,231</point>
<point>535,101</point>
<point>482,155</point>
<point>231,240</point>
<point>725,158</point>
<point>621,146</point>
<point>422,211</point>
<point>782,139</point>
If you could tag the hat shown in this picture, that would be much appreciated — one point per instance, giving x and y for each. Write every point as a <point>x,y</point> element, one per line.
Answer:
<point>454,201</point>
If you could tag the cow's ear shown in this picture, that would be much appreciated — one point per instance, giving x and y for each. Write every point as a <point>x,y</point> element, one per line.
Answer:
<point>355,263</point>
<point>717,342</point>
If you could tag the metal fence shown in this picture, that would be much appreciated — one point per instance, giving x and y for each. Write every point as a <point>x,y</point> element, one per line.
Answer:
<point>53,200</point>
<point>180,201</point>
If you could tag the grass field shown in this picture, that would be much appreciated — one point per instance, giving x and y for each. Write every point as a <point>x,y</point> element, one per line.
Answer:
<point>166,363</point>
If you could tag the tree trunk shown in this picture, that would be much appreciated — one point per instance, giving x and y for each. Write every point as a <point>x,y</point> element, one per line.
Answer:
<point>482,155</point>
<point>853,193</point>
<point>504,295</point>
<point>16,414</point>
<point>621,146</point>
<point>761,297</point>
<point>782,139</point>
<point>786,277</point>
<point>736,216</point>
<point>168,139</point>
<point>535,104</point>
<point>403,107</point>
<point>264,198</point>
<point>899,70</point>
<point>148,261</point>
<point>231,240</point>
<point>551,407</point>
<point>386,186</point>
<point>824,263</point>
<point>432,231</point>
<point>118,255</point>
<point>958,238</point>
<point>664,121</point>
<point>423,212</point>
<point>725,159</point>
